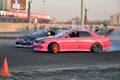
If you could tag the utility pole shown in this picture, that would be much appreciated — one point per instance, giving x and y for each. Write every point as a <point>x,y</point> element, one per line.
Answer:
<point>85,16</point>
<point>3,6</point>
<point>28,14</point>
<point>43,6</point>
<point>29,11</point>
<point>82,14</point>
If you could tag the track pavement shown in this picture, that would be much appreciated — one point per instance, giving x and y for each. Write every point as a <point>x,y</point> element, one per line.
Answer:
<point>26,64</point>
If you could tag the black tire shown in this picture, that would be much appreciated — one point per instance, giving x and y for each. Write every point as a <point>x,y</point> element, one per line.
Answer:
<point>97,48</point>
<point>52,48</point>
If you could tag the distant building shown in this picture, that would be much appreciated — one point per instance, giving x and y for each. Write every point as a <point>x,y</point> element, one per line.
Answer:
<point>13,5</point>
<point>12,16</point>
<point>54,20</point>
<point>3,4</point>
<point>115,19</point>
<point>119,18</point>
<point>16,11</point>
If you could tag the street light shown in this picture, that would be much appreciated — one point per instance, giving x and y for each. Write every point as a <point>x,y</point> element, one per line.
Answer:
<point>29,10</point>
<point>86,16</point>
<point>43,5</point>
<point>3,5</point>
<point>28,13</point>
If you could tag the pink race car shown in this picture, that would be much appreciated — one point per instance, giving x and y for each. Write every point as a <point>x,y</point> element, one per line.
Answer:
<point>73,40</point>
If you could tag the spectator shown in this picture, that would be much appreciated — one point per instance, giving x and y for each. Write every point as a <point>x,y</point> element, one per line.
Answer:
<point>27,28</point>
<point>35,28</point>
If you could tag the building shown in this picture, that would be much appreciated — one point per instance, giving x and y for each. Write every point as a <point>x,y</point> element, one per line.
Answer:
<point>13,5</point>
<point>115,19</point>
<point>54,20</point>
<point>12,16</point>
<point>3,4</point>
<point>17,11</point>
<point>119,18</point>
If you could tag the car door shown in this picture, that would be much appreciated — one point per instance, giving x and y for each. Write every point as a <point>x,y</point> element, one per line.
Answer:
<point>70,43</point>
<point>85,40</point>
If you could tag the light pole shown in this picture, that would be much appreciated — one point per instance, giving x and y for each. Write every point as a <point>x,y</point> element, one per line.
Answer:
<point>43,6</point>
<point>29,11</point>
<point>82,14</point>
<point>85,16</point>
<point>3,6</point>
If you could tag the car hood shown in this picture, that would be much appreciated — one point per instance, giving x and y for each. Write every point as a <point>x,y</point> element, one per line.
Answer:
<point>25,38</point>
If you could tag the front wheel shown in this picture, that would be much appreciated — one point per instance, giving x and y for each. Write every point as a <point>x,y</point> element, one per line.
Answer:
<point>54,47</point>
<point>97,48</point>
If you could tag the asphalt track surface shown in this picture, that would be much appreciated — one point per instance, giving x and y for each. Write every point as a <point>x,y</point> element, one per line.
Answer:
<point>26,64</point>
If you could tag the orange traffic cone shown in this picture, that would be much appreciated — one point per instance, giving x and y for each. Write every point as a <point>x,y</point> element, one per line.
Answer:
<point>5,70</point>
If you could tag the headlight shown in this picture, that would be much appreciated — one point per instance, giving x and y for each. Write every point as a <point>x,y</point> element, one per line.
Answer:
<point>17,39</point>
<point>42,42</point>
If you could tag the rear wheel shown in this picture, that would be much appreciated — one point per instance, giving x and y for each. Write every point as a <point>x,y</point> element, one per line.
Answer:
<point>97,48</point>
<point>54,48</point>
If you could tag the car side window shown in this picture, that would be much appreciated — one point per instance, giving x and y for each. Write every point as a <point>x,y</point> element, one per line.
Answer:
<point>50,33</point>
<point>84,34</point>
<point>74,34</point>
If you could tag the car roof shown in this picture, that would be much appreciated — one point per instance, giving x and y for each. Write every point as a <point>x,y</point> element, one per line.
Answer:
<point>79,29</point>
<point>39,31</point>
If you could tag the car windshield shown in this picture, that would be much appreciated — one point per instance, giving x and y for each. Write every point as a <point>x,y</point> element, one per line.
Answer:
<point>39,33</point>
<point>63,33</point>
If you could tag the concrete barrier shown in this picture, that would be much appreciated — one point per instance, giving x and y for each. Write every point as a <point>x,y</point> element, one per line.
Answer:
<point>18,27</point>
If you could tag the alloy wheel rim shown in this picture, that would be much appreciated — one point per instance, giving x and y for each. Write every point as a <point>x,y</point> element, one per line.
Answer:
<point>55,48</point>
<point>97,48</point>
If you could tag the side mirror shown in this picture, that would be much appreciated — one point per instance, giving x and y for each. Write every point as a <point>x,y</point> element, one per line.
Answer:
<point>67,36</point>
